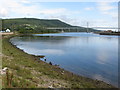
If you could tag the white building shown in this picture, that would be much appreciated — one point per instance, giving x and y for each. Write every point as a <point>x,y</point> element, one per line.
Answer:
<point>8,30</point>
<point>2,31</point>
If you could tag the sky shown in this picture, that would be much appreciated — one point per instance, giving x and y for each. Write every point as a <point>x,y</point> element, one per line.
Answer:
<point>98,14</point>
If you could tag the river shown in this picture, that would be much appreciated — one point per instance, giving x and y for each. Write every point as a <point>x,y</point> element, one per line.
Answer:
<point>86,54</point>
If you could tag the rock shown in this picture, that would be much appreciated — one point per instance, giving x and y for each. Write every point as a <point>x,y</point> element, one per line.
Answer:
<point>50,86</point>
<point>3,71</point>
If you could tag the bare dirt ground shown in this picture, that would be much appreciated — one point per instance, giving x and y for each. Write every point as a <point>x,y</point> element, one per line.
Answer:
<point>6,33</point>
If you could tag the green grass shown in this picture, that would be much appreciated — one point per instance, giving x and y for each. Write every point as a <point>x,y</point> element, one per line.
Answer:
<point>29,72</point>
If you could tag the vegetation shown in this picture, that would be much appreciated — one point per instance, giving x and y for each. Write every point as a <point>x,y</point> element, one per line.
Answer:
<point>27,71</point>
<point>32,25</point>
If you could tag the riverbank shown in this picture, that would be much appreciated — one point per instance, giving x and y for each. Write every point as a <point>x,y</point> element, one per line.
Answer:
<point>108,33</point>
<point>30,72</point>
<point>117,34</point>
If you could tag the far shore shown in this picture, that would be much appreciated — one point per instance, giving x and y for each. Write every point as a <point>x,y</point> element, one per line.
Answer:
<point>108,33</point>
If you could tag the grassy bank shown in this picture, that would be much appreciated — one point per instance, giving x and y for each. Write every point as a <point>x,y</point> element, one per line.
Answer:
<point>28,71</point>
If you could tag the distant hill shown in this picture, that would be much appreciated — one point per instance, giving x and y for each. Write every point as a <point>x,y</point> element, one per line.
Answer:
<point>33,21</point>
<point>33,25</point>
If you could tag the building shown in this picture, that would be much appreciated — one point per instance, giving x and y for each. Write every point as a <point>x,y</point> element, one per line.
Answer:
<point>8,30</point>
<point>109,31</point>
<point>2,31</point>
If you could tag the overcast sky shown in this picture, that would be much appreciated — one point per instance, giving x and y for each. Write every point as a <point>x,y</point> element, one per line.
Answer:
<point>75,13</point>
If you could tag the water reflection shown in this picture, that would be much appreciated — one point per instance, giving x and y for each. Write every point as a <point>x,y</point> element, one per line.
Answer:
<point>99,77</point>
<point>102,56</point>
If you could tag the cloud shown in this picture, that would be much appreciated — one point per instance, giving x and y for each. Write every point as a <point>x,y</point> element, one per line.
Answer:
<point>43,51</point>
<point>51,51</point>
<point>66,18</point>
<point>19,8</point>
<point>53,11</point>
<point>11,7</point>
<point>25,1</point>
<point>3,12</point>
<point>89,8</point>
<point>113,14</point>
<point>103,23</point>
<point>25,8</point>
<point>8,7</point>
<point>107,8</point>
<point>102,57</point>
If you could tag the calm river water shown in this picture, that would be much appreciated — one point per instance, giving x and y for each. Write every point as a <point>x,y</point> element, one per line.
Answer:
<point>86,54</point>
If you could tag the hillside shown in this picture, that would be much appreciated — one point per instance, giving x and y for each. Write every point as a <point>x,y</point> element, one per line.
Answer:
<point>32,25</point>
<point>33,21</point>
<point>13,23</point>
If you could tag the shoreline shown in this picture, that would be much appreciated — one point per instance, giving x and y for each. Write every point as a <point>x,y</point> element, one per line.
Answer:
<point>107,33</point>
<point>37,58</point>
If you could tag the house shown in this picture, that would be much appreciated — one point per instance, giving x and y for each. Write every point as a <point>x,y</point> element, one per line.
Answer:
<point>8,30</point>
<point>2,31</point>
<point>109,31</point>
